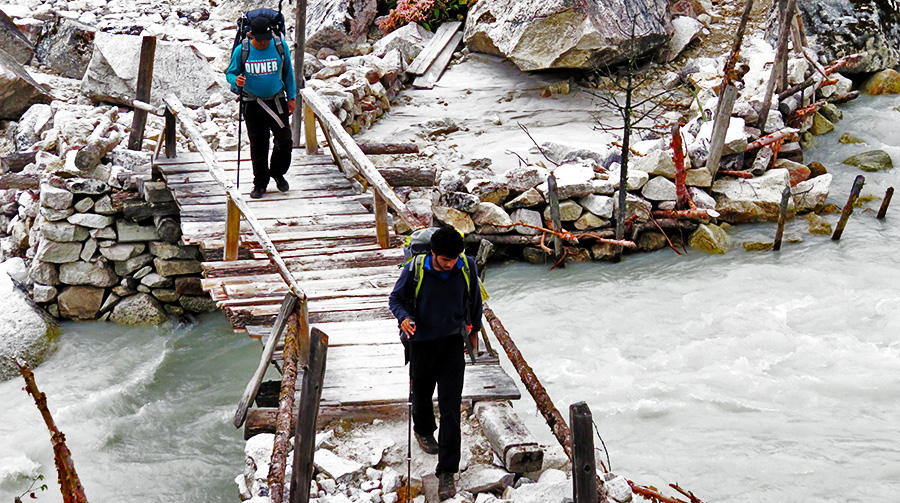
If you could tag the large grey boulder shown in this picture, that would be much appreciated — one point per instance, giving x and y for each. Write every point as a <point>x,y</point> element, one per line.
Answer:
<point>18,90</point>
<point>66,47</point>
<point>845,27</point>
<point>542,34</point>
<point>24,332</point>
<point>139,309</point>
<point>338,24</point>
<point>87,273</point>
<point>177,68</point>
<point>13,41</point>
<point>752,200</point>
<point>409,40</point>
<point>37,119</point>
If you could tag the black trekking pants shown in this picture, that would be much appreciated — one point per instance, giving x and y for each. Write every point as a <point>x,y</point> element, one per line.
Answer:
<point>440,363</point>
<point>259,124</point>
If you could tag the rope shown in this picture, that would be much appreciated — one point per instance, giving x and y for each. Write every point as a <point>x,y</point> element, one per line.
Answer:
<point>597,431</point>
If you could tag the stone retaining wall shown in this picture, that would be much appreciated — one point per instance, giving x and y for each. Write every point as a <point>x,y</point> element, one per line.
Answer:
<point>99,252</point>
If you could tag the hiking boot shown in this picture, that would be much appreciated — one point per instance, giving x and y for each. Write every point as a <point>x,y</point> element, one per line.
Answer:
<point>427,443</point>
<point>281,183</point>
<point>446,486</point>
<point>257,193</point>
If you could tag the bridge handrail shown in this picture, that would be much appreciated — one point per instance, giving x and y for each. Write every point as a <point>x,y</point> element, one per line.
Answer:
<point>314,106</point>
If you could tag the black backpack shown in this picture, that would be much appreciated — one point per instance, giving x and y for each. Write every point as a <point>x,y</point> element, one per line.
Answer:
<point>276,21</point>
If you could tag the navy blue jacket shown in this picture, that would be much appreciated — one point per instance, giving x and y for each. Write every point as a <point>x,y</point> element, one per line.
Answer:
<point>440,310</point>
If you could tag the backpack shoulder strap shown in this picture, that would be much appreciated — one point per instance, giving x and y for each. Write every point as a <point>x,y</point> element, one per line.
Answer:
<point>279,46</point>
<point>466,272</point>
<point>418,267</point>
<point>245,53</point>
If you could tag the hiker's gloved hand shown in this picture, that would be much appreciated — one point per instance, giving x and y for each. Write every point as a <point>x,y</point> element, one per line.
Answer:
<point>408,326</point>
<point>291,106</point>
<point>240,80</point>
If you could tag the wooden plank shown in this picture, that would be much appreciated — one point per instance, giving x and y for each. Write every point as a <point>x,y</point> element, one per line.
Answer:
<point>223,273</point>
<point>232,231</point>
<point>434,47</point>
<point>349,387</point>
<point>428,79</point>
<point>231,156</point>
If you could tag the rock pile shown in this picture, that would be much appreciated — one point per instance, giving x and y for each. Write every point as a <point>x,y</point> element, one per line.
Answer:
<point>101,239</point>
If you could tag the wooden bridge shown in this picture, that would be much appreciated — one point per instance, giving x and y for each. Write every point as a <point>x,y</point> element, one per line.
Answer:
<point>320,251</point>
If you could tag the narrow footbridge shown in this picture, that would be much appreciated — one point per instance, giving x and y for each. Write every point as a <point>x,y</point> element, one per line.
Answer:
<point>320,258</point>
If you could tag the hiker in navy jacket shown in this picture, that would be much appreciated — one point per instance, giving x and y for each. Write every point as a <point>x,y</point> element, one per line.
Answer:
<point>268,92</point>
<point>446,309</point>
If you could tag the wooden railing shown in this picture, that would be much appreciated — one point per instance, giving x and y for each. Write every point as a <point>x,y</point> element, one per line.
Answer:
<point>361,169</point>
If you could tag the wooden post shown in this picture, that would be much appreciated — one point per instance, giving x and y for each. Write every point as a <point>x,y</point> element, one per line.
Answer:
<point>299,58</point>
<point>170,133</point>
<point>309,125</point>
<point>554,217</point>
<point>287,307</point>
<point>232,230</point>
<point>888,194</point>
<point>780,54</point>
<point>720,128</point>
<point>782,216</point>
<point>284,421</point>
<point>584,465</point>
<point>304,337</point>
<point>382,231</point>
<point>848,208</point>
<point>144,81</point>
<point>305,432</point>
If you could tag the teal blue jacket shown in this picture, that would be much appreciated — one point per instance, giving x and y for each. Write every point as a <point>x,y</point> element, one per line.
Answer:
<point>263,71</point>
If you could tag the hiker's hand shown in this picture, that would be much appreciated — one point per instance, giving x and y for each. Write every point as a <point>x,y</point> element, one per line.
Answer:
<point>408,327</point>
<point>473,341</point>
<point>240,80</point>
<point>291,106</point>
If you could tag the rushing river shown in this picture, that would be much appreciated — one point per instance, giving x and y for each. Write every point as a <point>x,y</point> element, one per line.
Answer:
<point>745,377</point>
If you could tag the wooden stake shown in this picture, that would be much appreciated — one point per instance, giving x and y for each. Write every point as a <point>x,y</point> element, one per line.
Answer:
<point>584,465</point>
<point>780,54</point>
<point>299,58</point>
<point>309,126</point>
<point>144,81</point>
<point>305,432</point>
<point>720,128</point>
<point>169,133</point>
<point>232,230</point>
<point>554,217</point>
<point>888,194</point>
<point>382,231</point>
<point>782,216</point>
<point>848,208</point>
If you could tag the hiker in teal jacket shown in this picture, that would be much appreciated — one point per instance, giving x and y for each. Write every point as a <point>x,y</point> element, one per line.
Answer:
<point>268,88</point>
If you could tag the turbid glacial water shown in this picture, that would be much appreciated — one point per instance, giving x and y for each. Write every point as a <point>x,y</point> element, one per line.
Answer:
<point>146,413</point>
<point>745,377</point>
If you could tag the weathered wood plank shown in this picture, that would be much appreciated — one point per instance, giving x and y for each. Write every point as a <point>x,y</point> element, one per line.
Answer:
<point>510,440</point>
<point>433,48</point>
<point>430,77</point>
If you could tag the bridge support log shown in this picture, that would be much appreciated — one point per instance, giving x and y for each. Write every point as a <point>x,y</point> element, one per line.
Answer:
<point>232,231</point>
<point>382,231</point>
<point>509,438</point>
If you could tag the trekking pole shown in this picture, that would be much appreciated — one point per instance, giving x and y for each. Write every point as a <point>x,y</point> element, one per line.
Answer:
<point>240,119</point>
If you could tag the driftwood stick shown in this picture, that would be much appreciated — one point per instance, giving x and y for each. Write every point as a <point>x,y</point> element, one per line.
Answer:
<point>789,134</point>
<point>739,174</point>
<point>371,148</point>
<point>848,208</point>
<point>782,217</point>
<point>652,494</point>
<point>69,483</point>
<point>555,218</point>
<point>843,98</point>
<point>888,194</point>
<point>729,75</point>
